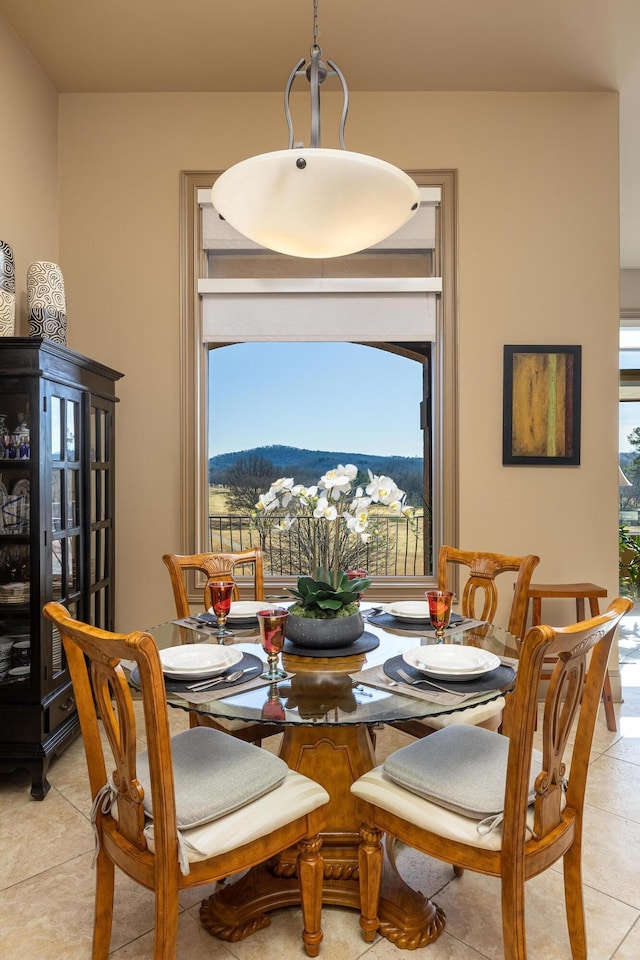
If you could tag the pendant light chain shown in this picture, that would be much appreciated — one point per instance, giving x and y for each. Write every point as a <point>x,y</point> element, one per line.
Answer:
<point>315,25</point>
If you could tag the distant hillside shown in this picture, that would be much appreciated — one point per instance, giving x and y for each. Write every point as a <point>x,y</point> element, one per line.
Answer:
<point>307,466</point>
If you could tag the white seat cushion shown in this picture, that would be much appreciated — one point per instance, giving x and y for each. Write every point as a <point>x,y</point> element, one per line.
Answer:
<point>380,790</point>
<point>295,797</point>
<point>471,715</point>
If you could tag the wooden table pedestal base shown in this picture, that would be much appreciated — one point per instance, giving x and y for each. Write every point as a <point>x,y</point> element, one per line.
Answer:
<point>335,757</point>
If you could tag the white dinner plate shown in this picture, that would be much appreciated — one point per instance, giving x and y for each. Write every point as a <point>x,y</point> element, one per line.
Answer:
<point>248,609</point>
<point>194,660</point>
<point>445,661</point>
<point>411,611</point>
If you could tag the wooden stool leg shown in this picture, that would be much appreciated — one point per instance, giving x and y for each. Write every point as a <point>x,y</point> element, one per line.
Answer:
<point>607,697</point>
<point>536,619</point>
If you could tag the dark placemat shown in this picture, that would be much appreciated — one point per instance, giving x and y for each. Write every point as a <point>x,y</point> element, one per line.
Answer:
<point>364,643</point>
<point>387,620</point>
<point>496,679</point>
<point>248,662</point>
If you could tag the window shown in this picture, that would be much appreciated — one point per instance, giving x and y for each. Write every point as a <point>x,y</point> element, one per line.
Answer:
<point>351,301</point>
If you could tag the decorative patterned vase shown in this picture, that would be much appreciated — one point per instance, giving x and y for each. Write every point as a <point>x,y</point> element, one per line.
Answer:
<point>7,291</point>
<point>47,302</point>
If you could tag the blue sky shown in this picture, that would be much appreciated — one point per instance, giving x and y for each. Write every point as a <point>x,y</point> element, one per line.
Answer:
<point>320,396</point>
<point>629,418</point>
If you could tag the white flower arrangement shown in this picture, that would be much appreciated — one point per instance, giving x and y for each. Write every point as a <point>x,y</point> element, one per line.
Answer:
<point>333,499</point>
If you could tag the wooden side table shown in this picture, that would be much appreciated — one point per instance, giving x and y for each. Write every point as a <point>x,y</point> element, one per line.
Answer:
<point>580,592</point>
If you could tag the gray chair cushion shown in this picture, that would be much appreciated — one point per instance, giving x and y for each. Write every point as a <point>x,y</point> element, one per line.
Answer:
<point>214,774</point>
<point>462,768</point>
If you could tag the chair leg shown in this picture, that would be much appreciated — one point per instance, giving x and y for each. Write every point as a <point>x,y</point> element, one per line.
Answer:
<point>513,928</point>
<point>310,873</point>
<point>165,934</point>
<point>574,905</point>
<point>607,699</point>
<point>370,867</point>
<point>103,919</point>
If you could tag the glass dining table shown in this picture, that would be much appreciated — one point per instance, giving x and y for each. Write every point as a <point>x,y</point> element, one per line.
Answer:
<point>328,709</point>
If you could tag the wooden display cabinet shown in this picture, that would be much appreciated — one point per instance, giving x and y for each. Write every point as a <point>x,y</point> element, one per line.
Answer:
<point>56,536</point>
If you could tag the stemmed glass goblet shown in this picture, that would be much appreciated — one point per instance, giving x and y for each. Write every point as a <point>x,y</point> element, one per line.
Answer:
<point>221,592</point>
<point>439,610</point>
<point>272,623</point>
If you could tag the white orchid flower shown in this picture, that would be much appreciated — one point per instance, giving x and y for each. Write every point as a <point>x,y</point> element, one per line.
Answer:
<point>339,479</point>
<point>283,482</point>
<point>325,510</point>
<point>357,523</point>
<point>267,501</point>
<point>383,490</point>
<point>286,523</point>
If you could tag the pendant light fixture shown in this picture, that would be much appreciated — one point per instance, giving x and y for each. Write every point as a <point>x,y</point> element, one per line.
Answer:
<point>315,202</point>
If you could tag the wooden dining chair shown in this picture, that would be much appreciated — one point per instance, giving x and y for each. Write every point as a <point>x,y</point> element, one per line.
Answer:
<point>491,803</point>
<point>219,565</point>
<point>192,808</point>
<point>479,599</point>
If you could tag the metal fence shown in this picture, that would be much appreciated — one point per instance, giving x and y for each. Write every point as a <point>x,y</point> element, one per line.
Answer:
<point>396,550</point>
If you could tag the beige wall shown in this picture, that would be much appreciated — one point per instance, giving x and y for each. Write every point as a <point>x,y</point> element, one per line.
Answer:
<point>28,163</point>
<point>538,245</point>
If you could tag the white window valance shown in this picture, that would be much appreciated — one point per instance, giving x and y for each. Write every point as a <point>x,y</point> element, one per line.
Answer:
<point>359,309</point>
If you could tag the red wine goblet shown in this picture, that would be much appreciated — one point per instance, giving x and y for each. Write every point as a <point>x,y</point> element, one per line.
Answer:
<point>221,592</point>
<point>272,623</point>
<point>439,610</point>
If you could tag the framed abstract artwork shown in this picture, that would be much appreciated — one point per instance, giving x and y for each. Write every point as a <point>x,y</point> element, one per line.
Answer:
<point>541,405</point>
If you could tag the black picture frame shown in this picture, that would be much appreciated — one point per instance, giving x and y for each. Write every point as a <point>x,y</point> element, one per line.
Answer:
<point>541,405</point>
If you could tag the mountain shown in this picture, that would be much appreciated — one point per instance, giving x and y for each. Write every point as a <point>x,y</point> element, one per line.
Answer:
<point>307,466</point>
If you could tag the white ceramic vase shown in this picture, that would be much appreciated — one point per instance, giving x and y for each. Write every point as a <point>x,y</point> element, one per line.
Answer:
<point>7,291</point>
<point>47,302</point>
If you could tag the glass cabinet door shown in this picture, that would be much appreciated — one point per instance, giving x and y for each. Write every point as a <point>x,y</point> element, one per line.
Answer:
<point>15,535</point>
<point>101,546</point>
<point>65,558</point>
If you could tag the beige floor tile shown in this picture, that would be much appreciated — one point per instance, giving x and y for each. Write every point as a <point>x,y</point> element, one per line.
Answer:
<point>472,905</point>
<point>283,937</point>
<point>39,835</point>
<point>629,949</point>
<point>614,785</point>
<point>194,943</point>
<point>628,746</point>
<point>15,787</point>
<point>610,852</point>
<point>57,923</point>
<point>445,947</point>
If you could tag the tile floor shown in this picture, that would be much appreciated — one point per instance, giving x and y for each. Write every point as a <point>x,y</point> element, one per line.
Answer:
<point>46,880</point>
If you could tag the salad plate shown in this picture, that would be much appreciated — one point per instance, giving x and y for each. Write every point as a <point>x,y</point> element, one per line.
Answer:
<point>444,661</point>
<point>247,609</point>
<point>198,660</point>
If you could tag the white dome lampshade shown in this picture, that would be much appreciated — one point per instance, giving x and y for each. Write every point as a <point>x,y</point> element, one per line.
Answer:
<point>314,202</point>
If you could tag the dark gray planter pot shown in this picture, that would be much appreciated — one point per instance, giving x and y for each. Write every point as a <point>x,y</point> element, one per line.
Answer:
<point>335,632</point>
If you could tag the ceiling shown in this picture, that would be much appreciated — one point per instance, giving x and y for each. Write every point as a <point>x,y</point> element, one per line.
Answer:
<point>248,45</point>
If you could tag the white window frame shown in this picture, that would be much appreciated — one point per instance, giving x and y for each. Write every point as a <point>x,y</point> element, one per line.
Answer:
<point>193,365</point>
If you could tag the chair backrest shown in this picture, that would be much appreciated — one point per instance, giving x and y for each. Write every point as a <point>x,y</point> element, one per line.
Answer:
<point>581,652</point>
<point>480,587</point>
<point>101,689</point>
<point>219,565</point>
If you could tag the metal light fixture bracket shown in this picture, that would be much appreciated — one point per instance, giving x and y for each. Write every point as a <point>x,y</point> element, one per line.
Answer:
<point>316,73</point>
